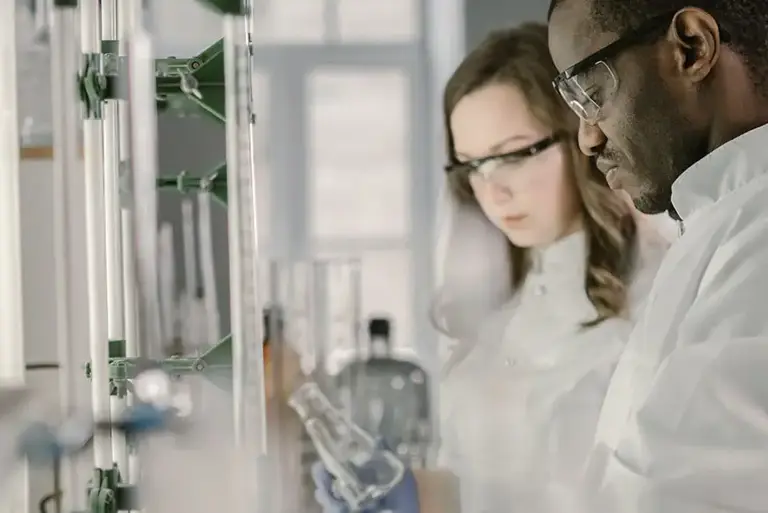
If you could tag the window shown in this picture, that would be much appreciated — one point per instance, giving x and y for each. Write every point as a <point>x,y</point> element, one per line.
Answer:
<point>358,153</point>
<point>289,21</point>
<point>378,21</point>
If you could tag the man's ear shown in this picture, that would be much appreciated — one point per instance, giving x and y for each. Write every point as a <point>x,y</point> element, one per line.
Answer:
<point>695,36</point>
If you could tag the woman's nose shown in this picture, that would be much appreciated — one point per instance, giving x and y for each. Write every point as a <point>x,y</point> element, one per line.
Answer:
<point>499,192</point>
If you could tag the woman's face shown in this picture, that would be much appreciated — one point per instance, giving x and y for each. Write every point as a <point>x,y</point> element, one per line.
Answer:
<point>532,200</point>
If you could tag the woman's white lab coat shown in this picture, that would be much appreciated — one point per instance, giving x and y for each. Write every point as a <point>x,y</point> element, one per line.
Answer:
<point>520,399</point>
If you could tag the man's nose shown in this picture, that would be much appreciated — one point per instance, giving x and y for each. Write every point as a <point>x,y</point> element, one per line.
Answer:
<point>591,138</point>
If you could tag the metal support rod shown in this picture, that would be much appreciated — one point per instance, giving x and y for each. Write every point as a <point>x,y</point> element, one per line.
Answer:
<point>244,302</point>
<point>114,257</point>
<point>93,147</point>
<point>245,294</point>
<point>143,158</point>
<point>167,282</point>
<point>130,474</point>
<point>66,121</point>
<point>208,266</point>
<point>13,498</point>
<point>190,318</point>
<point>130,320</point>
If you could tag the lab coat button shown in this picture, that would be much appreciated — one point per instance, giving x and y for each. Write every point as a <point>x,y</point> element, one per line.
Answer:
<point>509,362</point>
<point>539,290</point>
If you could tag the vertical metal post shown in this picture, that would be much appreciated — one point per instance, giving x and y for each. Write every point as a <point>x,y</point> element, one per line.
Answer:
<point>443,23</point>
<point>191,325</point>
<point>167,265</point>
<point>143,161</point>
<point>208,267</point>
<point>124,20</point>
<point>113,231</point>
<point>65,114</point>
<point>245,293</point>
<point>14,495</point>
<point>93,159</point>
<point>243,237</point>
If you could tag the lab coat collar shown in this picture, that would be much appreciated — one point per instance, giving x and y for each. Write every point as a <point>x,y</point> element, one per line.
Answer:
<point>726,169</point>
<point>565,257</point>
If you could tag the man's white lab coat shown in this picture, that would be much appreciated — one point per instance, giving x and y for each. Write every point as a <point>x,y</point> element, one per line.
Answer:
<point>684,426</point>
<point>520,401</point>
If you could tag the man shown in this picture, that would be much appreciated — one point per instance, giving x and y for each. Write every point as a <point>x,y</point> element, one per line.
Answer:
<point>674,105</point>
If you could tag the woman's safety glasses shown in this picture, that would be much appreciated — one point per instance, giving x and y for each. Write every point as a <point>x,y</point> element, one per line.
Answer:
<point>590,83</point>
<point>510,161</point>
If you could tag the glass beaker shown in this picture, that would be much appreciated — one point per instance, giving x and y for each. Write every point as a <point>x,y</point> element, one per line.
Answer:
<point>364,470</point>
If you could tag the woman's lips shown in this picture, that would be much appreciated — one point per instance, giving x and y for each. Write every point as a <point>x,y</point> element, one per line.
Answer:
<point>512,220</point>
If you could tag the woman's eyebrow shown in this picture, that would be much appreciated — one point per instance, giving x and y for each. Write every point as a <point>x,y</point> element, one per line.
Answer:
<point>495,148</point>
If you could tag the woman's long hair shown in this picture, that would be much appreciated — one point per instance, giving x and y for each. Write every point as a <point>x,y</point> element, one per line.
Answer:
<point>520,57</point>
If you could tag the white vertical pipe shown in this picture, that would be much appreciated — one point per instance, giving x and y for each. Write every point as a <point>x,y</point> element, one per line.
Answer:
<point>143,152</point>
<point>234,221</point>
<point>131,327</point>
<point>11,311</point>
<point>190,320</point>
<point>207,265</point>
<point>13,495</point>
<point>445,27</point>
<point>247,351</point>
<point>114,257</point>
<point>66,123</point>
<point>93,147</point>
<point>247,354</point>
<point>124,17</point>
<point>167,281</point>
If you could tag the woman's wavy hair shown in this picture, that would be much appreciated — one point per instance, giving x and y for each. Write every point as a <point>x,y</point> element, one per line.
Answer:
<point>520,57</point>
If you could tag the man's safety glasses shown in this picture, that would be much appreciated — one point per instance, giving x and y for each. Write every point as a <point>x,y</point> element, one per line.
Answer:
<point>509,161</point>
<point>589,84</point>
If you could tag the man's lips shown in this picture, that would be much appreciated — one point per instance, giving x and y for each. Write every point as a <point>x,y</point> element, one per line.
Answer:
<point>611,173</point>
<point>605,165</point>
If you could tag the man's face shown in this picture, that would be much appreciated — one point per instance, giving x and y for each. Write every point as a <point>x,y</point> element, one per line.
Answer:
<point>642,139</point>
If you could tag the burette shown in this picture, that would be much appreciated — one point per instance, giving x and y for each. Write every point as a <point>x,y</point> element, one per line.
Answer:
<point>245,300</point>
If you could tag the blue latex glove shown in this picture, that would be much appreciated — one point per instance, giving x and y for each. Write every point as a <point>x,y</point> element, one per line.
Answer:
<point>403,498</point>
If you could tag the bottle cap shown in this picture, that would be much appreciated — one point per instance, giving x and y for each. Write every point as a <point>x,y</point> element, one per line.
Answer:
<point>379,327</point>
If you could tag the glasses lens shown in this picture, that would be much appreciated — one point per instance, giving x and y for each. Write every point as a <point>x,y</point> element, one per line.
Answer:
<point>587,92</point>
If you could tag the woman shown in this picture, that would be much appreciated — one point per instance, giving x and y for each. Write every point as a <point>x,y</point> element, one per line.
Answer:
<point>545,268</point>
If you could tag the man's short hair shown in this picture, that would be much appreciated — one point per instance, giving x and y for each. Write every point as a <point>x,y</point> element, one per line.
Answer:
<point>746,21</point>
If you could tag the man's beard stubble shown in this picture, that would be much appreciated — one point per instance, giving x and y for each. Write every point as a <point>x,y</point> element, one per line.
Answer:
<point>666,145</point>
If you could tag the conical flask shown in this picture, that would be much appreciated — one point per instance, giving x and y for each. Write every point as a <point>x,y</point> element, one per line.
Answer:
<point>364,470</point>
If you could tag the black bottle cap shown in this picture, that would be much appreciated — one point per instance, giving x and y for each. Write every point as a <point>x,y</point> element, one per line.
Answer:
<point>273,323</point>
<point>379,327</point>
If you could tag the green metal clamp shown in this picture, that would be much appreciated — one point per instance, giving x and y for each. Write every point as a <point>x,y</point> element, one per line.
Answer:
<point>184,86</point>
<point>215,183</point>
<point>107,493</point>
<point>228,7</point>
<point>92,85</point>
<point>215,365</point>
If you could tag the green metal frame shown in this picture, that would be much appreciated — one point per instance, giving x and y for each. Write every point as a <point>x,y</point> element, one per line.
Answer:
<point>185,87</point>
